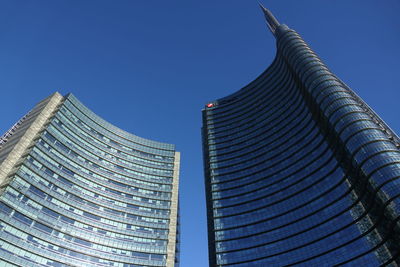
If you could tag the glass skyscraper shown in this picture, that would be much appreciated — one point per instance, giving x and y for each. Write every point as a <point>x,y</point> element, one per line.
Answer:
<point>299,170</point>
<point>77,191</point>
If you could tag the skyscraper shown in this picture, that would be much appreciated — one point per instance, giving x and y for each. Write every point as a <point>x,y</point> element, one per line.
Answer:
<point>299,169</point>
<point>77,191</point>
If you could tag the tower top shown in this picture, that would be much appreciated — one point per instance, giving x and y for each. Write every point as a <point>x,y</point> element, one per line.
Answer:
<point>272,22</point>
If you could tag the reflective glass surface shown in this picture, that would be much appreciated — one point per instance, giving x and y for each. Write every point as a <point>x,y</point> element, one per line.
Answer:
<point>299,170</point>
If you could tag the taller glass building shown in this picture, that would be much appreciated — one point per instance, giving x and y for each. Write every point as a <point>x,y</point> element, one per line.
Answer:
<point>299,170</point>
<point>77,191</point>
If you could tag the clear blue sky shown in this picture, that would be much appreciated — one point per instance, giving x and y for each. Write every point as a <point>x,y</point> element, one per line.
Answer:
<point>150,66</point>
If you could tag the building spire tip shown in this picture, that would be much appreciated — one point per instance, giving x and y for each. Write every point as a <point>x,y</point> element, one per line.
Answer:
<point>272,22</point>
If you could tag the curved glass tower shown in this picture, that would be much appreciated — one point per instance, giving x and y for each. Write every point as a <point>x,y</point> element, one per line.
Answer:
<point>77,191</point>
<point>299,170</point>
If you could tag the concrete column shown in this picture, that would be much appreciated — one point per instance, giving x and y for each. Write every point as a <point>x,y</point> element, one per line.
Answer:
<point>174,214</point>
<point>23,137</point>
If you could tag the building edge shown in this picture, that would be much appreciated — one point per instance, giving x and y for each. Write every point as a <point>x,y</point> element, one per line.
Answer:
<point>172,235</point>
<point>207,182</point>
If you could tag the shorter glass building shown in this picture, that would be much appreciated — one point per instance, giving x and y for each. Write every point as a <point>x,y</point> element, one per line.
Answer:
<point>77,191</point>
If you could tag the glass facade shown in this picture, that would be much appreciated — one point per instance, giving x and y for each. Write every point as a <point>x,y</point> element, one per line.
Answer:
<point>299,170</point>
<point>85,193</point>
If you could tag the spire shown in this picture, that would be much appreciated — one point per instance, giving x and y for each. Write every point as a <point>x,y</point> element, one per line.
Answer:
<point>272,22</point>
